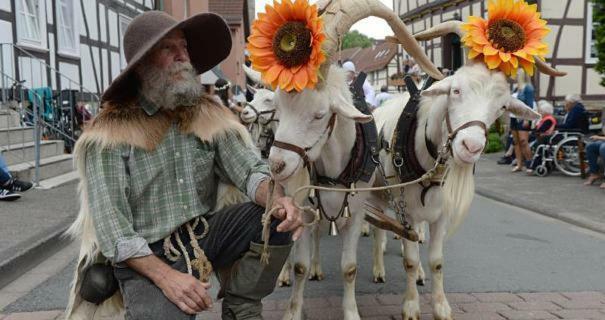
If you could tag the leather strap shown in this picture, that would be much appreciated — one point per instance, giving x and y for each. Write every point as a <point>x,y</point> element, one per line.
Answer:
<point>302,152</point>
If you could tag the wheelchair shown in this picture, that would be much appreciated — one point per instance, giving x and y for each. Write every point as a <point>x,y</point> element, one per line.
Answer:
<point>564,149</point>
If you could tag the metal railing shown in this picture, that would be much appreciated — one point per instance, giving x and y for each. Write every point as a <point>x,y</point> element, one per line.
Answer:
<point>36,95</point>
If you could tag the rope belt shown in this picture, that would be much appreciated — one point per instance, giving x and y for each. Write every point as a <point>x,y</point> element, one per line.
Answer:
<point>200,262</point>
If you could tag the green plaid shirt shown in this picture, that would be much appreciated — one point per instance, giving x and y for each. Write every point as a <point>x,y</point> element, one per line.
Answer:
<point>138,197</point>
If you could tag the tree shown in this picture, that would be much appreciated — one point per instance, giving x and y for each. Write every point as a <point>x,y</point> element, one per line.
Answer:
<point>356,39</point>
<point>598,18</point>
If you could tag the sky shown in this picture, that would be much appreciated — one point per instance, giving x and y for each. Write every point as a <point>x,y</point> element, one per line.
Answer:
<point>372,27</point>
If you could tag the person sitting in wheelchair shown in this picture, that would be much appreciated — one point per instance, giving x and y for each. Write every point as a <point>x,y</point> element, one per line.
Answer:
<point>543,132</point>
<point>576,118</point>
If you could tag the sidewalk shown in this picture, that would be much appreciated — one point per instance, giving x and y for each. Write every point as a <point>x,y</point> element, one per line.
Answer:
<point>475,306</point>
<point>558,196</point>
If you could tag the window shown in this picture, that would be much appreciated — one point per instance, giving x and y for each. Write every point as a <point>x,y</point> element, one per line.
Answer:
<point>124,22</point>
<point>31,23</point>
<point>68,31</point>
<point>591,36</point>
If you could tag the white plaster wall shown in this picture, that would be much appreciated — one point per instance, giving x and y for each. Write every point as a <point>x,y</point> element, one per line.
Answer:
<point>113,29</point>
<point>71,72</point>
<point>51,46</point>
<point>571,44</point>
<point>477,9</point>
<point>88,80</point>
<point>571,83</point>
<point>105,68</point>
<point>466,11</point>
<point>115,65</point>
<point>550,39</point>
<point>90,9</point>
<point>576,9</point>
<point>593,85</point>
<point>49,11</point>
<point>543,84</point>
<point>102,20</point>
<point>33,72</point>
<point>7,61</point>
<point>6,6</point>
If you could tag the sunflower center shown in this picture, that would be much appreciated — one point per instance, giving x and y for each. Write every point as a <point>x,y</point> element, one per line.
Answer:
<point>507,35</point>
<point>292,44</point>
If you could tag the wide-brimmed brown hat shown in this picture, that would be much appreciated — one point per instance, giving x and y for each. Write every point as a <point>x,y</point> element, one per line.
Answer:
<point>208,43</point>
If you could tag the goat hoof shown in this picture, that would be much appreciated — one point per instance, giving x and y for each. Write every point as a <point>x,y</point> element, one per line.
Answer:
<point>379,279</point>
<point>316,277</point>
<point>285,283</point>
<point>365,234</point>
<point>420,282</point>
<point>411,317</point>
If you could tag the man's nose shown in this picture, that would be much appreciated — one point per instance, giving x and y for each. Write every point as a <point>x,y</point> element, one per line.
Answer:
<point>182,55</point>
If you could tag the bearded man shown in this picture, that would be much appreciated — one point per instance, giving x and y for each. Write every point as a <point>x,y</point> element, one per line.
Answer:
<point>151,163</point>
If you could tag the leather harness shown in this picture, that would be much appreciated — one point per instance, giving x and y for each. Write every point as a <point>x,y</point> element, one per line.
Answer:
<point>360,166</point>
<point>404,143</point>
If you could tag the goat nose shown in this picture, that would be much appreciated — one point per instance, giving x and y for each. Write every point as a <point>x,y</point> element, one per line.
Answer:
<point>472,146</point>
<point>277,166</point>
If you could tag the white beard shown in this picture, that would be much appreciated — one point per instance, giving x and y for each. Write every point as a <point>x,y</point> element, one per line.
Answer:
<point>159,86</point>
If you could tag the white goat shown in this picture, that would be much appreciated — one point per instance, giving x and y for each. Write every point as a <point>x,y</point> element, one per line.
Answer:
<point>261,118</point>
<point>472,96</point>
<point>305,119</point>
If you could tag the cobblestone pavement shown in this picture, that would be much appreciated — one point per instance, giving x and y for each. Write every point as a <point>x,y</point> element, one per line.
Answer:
<point>466,306</point>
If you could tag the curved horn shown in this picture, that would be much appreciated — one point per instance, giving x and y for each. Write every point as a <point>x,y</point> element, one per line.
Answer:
<point>339,16</point>
<point>547,69</point>
<point>252,74</point>
<point>441,29</point>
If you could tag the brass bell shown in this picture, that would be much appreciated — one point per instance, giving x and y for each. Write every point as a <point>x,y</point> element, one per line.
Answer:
<point>353,187</point>
<point>333,228</point>
<point>346,212</point>
<point>318,214</point>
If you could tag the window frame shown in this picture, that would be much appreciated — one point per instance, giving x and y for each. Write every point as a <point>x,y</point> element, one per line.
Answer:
<point>589,31</point>
<point>65,51</point>
<point>121,32</point>
<point>23,39</point>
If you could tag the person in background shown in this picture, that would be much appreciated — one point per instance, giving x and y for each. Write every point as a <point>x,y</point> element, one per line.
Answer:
<point>519,128</point>
<point>383,96</point>
<point>594,150</point>
<point>368,91</point>
<point>544,130</point>
<point>576,118</point>
<point>223,91</point>
<point>10,185</point>
<point>416,73</point>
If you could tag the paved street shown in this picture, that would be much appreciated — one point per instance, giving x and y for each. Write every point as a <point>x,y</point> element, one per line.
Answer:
<point>504,263</point>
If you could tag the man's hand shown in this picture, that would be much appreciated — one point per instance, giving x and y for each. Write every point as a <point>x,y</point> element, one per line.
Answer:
<point>187,292</point>
<point>291,216</point>
<point>182,289</point>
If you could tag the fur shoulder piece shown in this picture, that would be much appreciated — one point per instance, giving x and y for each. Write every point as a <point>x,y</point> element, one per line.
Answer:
<point>129,124</point>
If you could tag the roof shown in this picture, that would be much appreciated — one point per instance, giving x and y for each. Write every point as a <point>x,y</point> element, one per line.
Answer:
<point>231,10</point>
<point>368,59</point>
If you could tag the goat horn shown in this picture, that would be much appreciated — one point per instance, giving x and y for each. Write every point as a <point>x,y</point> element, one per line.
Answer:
<point>547,69</point>
<point>344,13</point>
<point>441,29</point>
<point>254,75</point>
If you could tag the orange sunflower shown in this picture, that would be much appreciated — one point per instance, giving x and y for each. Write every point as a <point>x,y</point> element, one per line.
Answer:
<point>285,45</point>
<point>510,38</point>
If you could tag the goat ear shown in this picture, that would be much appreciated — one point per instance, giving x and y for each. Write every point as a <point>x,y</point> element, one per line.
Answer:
<point>439,88</point>
<point>347,110</point>
<point>521,110</point>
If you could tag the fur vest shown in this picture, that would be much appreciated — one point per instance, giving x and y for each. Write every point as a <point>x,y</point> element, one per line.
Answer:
<point>118,125</point>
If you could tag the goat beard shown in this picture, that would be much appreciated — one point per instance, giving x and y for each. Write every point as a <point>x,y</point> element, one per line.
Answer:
<point>458,192</point>
<point>160,87</point>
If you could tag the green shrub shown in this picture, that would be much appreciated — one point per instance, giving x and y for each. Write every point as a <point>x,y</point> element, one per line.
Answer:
<point>493,143</point>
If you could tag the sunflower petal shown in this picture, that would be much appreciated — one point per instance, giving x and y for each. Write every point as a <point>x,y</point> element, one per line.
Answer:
<point>492,61</point>
<point>273,73</point>
<point>301,79</point>
<point>488,50</point>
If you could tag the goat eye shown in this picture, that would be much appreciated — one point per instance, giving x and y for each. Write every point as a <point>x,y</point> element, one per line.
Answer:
<point>456,91</point>
<point>267,100</point>
<point>319,116</point>
<point>503,108</point>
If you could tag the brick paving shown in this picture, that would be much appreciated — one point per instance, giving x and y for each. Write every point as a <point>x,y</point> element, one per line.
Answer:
<point>466,306</point>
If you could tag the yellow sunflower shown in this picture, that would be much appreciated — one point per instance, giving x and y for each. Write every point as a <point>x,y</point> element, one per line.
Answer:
<point>510,38</point>
<point>285,45</point>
